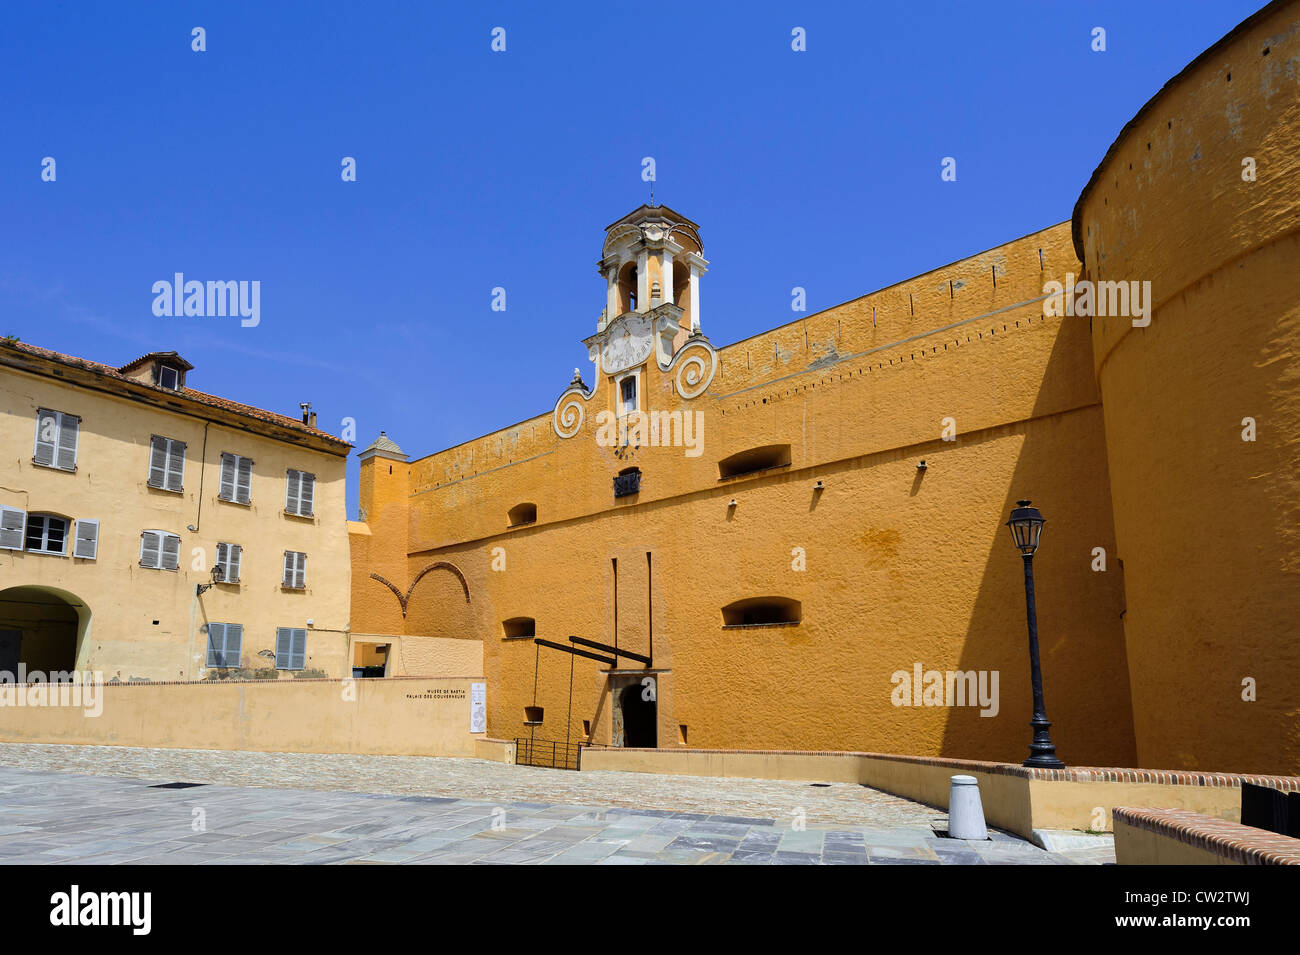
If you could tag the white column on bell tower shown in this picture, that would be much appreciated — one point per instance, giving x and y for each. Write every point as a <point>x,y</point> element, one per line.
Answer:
<point>695,298</point>
<point>666,276</point>
<point>611,294</point>
<point>643,281</point>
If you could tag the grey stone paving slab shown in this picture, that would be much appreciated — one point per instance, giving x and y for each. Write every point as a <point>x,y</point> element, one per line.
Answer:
<point>54,817</point>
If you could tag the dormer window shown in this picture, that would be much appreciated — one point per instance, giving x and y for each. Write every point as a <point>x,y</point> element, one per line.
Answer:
<point>169,377</point>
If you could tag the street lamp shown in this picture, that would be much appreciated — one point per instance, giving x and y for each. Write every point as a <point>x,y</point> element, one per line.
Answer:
<point>1027,528</point>
<point>217,577</point>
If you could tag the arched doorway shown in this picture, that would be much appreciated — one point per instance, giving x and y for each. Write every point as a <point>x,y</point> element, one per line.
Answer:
<point>639,717</point>
<point>41,630</point>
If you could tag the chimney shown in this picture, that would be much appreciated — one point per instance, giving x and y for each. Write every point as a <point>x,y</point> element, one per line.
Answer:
<point>311,420</point>
<point>306,411</point>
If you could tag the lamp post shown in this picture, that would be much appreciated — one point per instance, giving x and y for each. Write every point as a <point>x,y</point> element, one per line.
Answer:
<point>1026,529</point>
<point>217,576</point>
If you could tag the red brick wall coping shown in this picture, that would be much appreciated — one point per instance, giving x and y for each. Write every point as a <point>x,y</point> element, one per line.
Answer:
<point>1232,840</point>
<point>1080,774</point>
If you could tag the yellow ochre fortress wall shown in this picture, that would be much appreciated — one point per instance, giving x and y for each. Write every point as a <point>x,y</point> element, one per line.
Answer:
<point>786,559</point>
<point>1200,196</point>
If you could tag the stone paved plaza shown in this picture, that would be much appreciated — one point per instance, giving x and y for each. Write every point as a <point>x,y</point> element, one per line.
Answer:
<point>100,805</point>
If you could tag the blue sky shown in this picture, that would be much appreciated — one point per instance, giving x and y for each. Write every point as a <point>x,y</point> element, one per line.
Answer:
<point>478,169</point>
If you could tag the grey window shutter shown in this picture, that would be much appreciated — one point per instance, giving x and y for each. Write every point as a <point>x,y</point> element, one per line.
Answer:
<point>86,545</point>
<point>292,485</point>
<point>234,643</point>
<point>236,555</point>
<point>283,645</point>
<point>301,579</point>
<point>223,558</point>
<point>226,489</point>
<point>13,527</point>
<point>306,494</point>
<point>171,552</point>
<point>216,644</point>
<point>47,437</point>
<point>69,428</point>
<point>298,651</point>
<point>175,465</point>
<point>157,462</point>
<point>244,481</point>
<point>288,569</point>
<point>150,549</point>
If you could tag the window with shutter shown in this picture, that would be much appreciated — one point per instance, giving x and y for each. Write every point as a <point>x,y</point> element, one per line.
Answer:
<point>225,642</point>
<point>236,478</point>
<point>56,439</point>
<point>300,493</point>
<point>86,545</point>
<point>160,550</point>
<point>228,559</point>
<point>290,648</point>
<point>166,463</point>
<point>13,527</point>
<point>295,569</point>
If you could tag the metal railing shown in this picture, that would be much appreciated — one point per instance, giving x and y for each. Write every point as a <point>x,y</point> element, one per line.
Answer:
<point>548,753</point>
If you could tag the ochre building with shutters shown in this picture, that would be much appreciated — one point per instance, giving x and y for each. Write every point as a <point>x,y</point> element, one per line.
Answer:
<point>153,532</point>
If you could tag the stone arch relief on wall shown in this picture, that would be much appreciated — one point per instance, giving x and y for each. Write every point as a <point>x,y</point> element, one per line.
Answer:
<point>404,598</point>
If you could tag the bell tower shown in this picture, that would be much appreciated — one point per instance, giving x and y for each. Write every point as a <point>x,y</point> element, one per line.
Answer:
<point>651,257</point>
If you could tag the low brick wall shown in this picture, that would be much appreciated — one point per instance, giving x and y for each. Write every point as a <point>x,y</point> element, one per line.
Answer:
<point>1015,797</point>
<point>1183,837</point>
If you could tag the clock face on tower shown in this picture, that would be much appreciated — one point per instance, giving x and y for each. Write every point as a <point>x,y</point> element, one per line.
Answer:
<point>628,344</point>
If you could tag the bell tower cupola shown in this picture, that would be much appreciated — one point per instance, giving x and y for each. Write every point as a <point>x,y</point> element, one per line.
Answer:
<point>651,257</point>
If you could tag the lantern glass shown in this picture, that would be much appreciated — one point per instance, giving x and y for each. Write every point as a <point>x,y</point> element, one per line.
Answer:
<point>1026,528</point>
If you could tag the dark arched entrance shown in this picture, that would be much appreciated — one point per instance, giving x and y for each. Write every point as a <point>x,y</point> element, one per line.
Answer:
<point>639,717</point>
<point>40,628</point>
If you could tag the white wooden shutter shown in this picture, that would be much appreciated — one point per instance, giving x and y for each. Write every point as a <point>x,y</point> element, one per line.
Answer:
<point>66,455</point>
<point>226,489</point>
<point>306,494</point>
<point>151,549</point>
<point>167,463</point>
<point>228,556</point>
<point>175,465</point>
<point>244,481</point>
<point>13,528</point>
<point>157,462</point>
<point>86,545</point>
<point>291,485</point>
<point>171,552</point>
<point>47,437</point>
<point>295,569</point>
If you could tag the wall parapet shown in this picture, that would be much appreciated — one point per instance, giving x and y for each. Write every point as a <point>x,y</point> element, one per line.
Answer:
<point>1232,842</point>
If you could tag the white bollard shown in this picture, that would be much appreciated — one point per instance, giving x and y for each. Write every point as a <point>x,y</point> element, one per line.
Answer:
<point>965,811</point>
